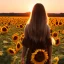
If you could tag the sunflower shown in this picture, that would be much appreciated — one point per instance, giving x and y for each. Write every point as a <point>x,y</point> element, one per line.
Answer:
<point>11,51</point>
<point>17,26</point>
<point>53,22</point>
<point>18,46</point>
<point>21,37</point>
<point>59,31</point>
<point>15,37</point>
<point>55,34</point>
<point>56,24</point>
<point>60,23</point>
<point>40,56</point>
<point>8,23</point>
<point>4,29</point>
<point>21,26</point>
<point>57,42</point>
<point>56,58</point>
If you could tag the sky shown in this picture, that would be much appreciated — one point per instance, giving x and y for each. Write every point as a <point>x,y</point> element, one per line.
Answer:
<point>21,6</point>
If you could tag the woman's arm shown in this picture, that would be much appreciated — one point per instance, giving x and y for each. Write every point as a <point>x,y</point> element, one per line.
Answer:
<point>50,54</point>
<point>24,50</point>
<point>49,45</point>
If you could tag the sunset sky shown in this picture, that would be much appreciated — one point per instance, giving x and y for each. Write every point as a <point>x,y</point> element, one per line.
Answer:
<point>21,6</point>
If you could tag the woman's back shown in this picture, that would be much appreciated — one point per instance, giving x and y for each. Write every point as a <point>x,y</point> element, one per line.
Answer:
<point>37,26</point>
<point>37,33</point>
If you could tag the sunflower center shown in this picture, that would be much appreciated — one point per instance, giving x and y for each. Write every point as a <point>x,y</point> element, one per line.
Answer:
<point>50,30</point>
<point>39,56</point>
<point>21,26</point>
<point>11,51</point>
<point>3,29</point>
<point>9,23</point>
<point>60,23</point>
<point>21,38</point>
<point>15,37</point>
<point>56,23</point>
<point>18,45</point>
<point>55,34</point>
<point>59,31</point>
<point>57,41</point>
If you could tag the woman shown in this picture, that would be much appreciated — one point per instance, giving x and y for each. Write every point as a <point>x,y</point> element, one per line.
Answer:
<point>37,34</point>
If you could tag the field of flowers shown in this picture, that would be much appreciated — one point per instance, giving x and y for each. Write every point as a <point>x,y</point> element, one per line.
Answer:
<point>12,33</point>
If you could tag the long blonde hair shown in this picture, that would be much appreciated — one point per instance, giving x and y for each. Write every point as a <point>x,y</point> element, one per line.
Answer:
<point>37,23</point>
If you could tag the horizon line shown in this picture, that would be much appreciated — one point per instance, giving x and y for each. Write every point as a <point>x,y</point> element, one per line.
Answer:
<point>30,12</point>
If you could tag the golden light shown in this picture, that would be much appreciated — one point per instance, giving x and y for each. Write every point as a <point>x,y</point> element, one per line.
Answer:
<point>53,41</point>
<point>30,8</point>
<point>32,5</point>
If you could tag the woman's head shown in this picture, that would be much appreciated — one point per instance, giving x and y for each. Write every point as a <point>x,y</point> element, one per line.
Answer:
<point>38,14</point>
<point>39,11</point>
<point>37,21</point>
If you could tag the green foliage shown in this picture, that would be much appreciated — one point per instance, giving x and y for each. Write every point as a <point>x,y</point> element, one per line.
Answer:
<point>61,60</point>
<point>6,42</point>
<point>5,58</point>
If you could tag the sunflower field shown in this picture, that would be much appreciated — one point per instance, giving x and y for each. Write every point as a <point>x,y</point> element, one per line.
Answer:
<point>12,34</point>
